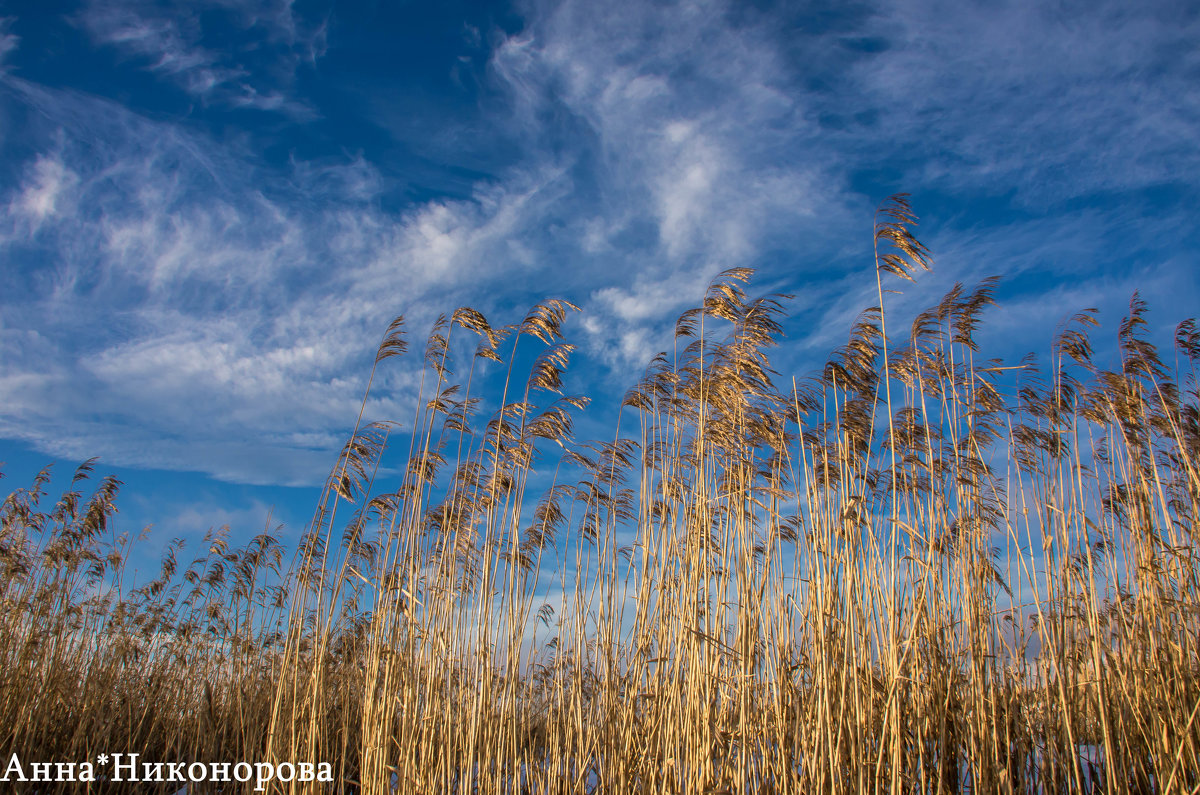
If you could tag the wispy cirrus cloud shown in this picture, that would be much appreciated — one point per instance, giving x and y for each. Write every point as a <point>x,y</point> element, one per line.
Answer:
<point>210,60</point>
<point>714,135</point>
<point>690,143</point>
<point>1050,101</point>
<point>185,310</point>
<point>179,299</point>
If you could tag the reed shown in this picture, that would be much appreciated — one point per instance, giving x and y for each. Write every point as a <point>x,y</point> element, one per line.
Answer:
<point>917,570</point>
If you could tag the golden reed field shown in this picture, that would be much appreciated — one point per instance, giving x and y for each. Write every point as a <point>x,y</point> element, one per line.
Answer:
<point>917,570</point>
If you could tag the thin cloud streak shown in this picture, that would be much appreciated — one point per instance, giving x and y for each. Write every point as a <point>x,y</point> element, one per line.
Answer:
<point>8,41</point>
<point>169,40</point>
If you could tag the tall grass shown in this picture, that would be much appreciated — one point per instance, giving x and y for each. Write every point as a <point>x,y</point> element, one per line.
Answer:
<point>915,571</point>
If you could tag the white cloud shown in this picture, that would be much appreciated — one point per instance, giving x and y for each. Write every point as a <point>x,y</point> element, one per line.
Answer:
<point>190,311</point>
<point>742,139</point>
<point>45,192</point>
<point>645,301</point>
<point>693,145</point>
<point>685,129</point>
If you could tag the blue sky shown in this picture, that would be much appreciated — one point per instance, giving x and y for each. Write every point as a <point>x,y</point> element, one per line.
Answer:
<point>211,209</point>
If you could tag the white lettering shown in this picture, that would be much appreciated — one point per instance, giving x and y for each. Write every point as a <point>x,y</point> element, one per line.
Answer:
<point>14,764</point>
<point>130,767</point>
<point>259,767</point>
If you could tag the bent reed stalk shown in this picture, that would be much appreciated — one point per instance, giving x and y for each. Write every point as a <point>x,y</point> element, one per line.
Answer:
<point>915,571</point>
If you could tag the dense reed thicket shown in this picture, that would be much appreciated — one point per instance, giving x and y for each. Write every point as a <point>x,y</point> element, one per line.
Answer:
<point>916,571</point>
